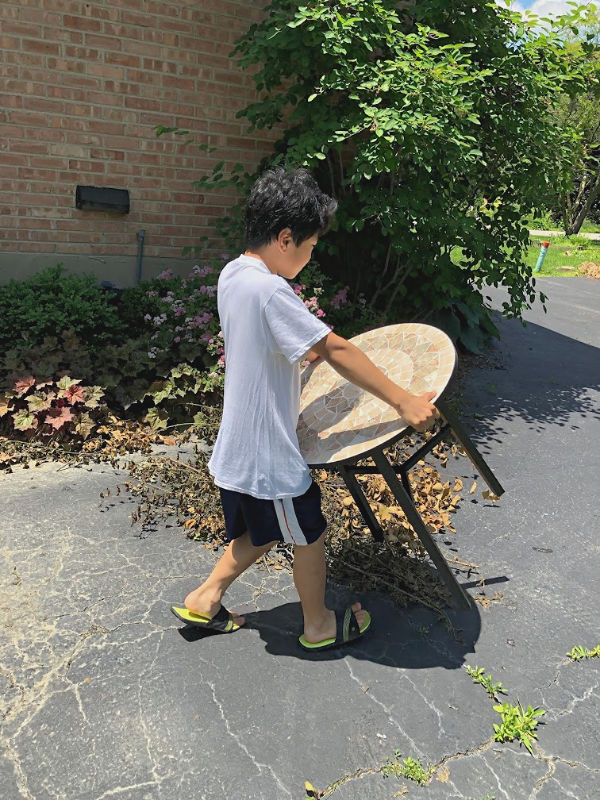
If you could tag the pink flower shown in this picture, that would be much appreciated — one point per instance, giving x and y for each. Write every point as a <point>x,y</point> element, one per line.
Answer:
<point>179,311</point>
<point>202,272</point>
<point>340,297</point>
<point>177,339</point>
<point>147,317</point>
<point>320,312</point>
<point>165,275</point>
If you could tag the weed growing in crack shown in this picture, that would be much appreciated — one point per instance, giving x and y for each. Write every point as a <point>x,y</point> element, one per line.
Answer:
<point>578,652</point>
<point>410,768</point>
<point>311,792</point>
<point>517,723</point>
<point>479,676</point>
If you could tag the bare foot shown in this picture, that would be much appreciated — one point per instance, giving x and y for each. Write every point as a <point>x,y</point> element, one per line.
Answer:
<point>208,604</point>
<point>326,629</point>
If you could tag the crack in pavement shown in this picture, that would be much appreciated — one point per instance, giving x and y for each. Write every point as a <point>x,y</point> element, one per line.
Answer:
<point>242,746</point>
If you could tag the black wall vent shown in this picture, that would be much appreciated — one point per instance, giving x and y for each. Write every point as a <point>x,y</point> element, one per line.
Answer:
<point>96,198</point>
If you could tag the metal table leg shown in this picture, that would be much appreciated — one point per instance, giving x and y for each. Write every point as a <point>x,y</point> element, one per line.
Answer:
<point>460,597</point>
<point>361,501</point>
<point>475,456</point>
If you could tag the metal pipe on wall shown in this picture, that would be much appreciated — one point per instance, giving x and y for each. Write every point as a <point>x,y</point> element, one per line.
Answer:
<point>141,235</point>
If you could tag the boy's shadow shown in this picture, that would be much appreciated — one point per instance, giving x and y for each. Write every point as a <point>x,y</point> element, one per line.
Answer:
<point>411,638</point>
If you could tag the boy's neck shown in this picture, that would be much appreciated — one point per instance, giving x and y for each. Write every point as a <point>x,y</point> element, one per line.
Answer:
<point>261,255</point>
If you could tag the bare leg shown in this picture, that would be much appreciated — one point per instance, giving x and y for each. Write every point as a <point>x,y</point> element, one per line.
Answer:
<point>309,578</point>
<point>238,556</point>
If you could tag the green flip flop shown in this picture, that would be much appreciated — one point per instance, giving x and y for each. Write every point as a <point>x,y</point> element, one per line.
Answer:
<point>347,630</point>
<point>222,621</point>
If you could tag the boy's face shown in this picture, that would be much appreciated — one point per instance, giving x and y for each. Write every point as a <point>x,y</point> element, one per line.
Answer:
<point>291,258</point>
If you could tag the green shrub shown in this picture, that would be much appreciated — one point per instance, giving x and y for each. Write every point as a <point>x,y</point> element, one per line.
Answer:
<point>429,123</point>
<point>52,301</point>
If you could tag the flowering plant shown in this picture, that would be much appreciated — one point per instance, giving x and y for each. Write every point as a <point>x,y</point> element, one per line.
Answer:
<point>47,407</point>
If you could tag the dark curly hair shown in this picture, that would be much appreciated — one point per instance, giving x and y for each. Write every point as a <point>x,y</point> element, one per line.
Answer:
<point>287,199</point>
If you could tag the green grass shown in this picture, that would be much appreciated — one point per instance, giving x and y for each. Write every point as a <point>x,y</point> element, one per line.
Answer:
<point>547,224</point>
<point>564,255</point>
<point>563,258</point>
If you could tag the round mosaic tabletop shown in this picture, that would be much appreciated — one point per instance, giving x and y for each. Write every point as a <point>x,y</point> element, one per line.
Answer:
<point>340,421</point>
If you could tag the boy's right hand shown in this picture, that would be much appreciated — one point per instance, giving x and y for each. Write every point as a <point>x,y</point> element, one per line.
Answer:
<point>418,410</point>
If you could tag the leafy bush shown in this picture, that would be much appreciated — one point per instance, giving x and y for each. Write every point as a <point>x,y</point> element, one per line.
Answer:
<point>429,123</point>
<point>45,407</point>
<point>52,301</point>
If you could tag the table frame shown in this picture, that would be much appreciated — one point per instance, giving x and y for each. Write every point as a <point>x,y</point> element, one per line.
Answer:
<point>400,488</point>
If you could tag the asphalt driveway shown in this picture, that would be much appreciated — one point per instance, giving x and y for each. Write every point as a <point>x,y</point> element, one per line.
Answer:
<point>105,696</point>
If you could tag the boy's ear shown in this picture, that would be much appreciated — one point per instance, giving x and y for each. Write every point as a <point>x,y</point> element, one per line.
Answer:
<point>284,238</point>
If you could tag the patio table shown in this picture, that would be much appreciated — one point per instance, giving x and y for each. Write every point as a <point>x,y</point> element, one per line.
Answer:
<point>340,424</point>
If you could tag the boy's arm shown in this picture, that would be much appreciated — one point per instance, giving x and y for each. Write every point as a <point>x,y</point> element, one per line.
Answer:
<point>358,368</point>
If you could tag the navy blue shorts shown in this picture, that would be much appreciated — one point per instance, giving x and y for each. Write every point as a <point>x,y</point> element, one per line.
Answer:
<point>295,520</point>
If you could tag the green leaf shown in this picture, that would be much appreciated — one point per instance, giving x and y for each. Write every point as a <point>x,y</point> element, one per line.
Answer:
<point>24,420</point>
<point>157,418</point>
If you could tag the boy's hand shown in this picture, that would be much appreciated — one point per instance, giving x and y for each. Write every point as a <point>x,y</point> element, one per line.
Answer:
<point>418,411</point>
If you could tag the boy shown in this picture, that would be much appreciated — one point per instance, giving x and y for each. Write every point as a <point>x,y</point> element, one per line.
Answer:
<point>266,488</point>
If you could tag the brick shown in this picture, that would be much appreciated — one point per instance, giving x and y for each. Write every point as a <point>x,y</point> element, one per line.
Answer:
<point>25,173</point>
<point>178,82</point>
<point>57,33</point>
<point>123,59</point>
<point>107,155</point>
<point>8,132</point>
<point>18,29</point>
<point>82,23</point>
<point>36,224</point>
<point>42,104</point>
<point>104,99</point>
<point>139,20</point>
<point>35,16</point>
<point>106,71</point>
<point>65,65</point>
<point>27,118</point>
<point>115,115</point>
<point>11,100</point>
<point>24,60</point>
<point>122,32</point>
<point>82,138</point>
<point>142,103</point>
<point>139,76</point>
<point>103,42</point>
<point>97,11</point>
<point>9,43</point>
<point>112,129</point>
<point>82,53</point>
<point>159,65</point>
<point>38,46</point>
<point>124,88</point>
<point>85,166</point>
<point>69,150</point>
<point>46,134</point>
<point>70,6</point>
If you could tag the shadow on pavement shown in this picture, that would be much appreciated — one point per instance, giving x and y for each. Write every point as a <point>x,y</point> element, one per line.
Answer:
<point>544,378</point>
<point>408,638</point>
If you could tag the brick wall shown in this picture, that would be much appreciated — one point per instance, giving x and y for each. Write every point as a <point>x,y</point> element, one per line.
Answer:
<point>81,86</point>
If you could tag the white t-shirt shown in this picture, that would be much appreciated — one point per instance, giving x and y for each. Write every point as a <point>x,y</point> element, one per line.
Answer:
<point>267,330</point>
